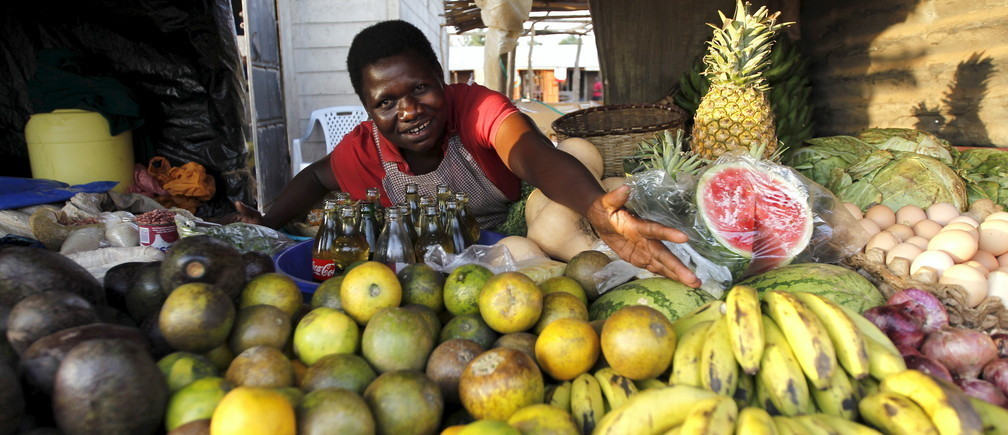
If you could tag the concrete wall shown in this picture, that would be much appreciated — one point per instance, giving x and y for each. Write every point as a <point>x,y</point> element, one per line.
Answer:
<point>314,38</point>
<point>937,65</point>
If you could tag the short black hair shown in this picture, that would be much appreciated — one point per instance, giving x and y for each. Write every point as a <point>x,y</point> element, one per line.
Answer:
<point>386,39</point>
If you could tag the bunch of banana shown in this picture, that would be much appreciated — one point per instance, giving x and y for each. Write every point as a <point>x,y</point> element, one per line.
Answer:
<point>819,424</point>
<point>790,91</point>
<point>913,402</point>
<point>590,396</point>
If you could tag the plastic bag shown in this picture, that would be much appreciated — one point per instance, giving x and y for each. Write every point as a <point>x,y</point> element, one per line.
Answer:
<point>497,258</point>
<point>245,237</point>
<point>758,215</point>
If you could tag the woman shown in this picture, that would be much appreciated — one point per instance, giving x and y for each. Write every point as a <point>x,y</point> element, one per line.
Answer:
<point>467,136</point>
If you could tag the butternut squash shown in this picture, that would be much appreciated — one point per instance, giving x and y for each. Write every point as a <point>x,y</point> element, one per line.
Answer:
<point>586,152</point>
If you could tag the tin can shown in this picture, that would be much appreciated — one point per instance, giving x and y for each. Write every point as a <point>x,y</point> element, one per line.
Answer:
<point>158,236</point>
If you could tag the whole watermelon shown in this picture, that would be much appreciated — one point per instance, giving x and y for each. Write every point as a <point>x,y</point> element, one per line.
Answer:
<point>836,283</point>
<point>672,298</point>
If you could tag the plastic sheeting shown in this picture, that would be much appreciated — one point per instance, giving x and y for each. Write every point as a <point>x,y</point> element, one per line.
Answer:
<point>505,21</point>
<point>180,59</point>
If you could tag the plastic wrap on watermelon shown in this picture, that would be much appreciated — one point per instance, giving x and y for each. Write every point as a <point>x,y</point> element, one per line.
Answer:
<point>749,215</point>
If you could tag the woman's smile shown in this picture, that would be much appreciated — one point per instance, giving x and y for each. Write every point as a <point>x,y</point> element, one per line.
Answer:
<point>404,95</point>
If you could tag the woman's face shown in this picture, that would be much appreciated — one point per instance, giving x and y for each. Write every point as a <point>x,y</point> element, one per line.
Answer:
<point>404,95</point>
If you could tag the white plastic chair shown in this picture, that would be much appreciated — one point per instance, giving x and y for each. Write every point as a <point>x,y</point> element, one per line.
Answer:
<point>336,121</point>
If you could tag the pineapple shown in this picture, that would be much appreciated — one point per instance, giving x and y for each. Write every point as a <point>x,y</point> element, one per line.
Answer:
<point>735,113</point>
<point>664,152</point>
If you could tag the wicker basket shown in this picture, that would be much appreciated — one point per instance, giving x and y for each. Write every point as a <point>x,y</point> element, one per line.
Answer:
<point>616,129</point>
<point>989,315</point>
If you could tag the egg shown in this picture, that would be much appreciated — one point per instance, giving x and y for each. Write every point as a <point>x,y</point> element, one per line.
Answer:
<point>905,250</point>
<point>870,226</point>
<point>997,285</point>
<point>978,266</point>
<point>963,218</point>
<point>959,244</point>
<point>942,212</point>
<point>883,240</point>
<point>919,241</point>
<point>910,214</point>
<point>970,279</point>
<point>1003,260</point>
<point>901,231</point>
<point>988,260</point>
<point>937,260</point>
<point>994,236</point>
<point>927,228</point>
<point>853,209</point>
<point>963,226</point>
<point>998,216</point>
<point>881,215</point>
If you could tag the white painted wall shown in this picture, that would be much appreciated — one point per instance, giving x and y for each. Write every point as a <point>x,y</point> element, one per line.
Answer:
<point>314,38</point>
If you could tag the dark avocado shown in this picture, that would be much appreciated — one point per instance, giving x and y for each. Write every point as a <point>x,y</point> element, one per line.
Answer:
<point>109,386</point>
<point>12,398</point>
<point>144,294</point>
<point>25,270</point>
<point>203,258</point>
<point>117,279</point>
<point>41,360</point>
<point>44,313</point>
<point>257,263</point>
<point>152,330</point>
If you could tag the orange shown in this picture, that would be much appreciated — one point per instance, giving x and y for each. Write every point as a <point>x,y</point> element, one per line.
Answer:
<point>325,331</point>
<point>397,339</point>
<point>510,302</point>
<point>195,401</point>
<point>567,348</point>
<point>253,411</point>
<point>559,305</point>
<point>327,294</point>
<point>405,402</point>
<point>564,284</point>
<point>499,382</point>
<point>274,289</point>
<point>422,285</point>
<point>488,427</point>
<point>638,342</point>
<point>462,288</point>
<point>468,326</point>
<point>334,411</point>
<point>368,288</point>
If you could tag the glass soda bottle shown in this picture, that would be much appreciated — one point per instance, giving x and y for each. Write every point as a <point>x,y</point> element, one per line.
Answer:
<point>412,193</point>
<point>374,197</point>
<point>368,224</point>
<point>395,247</point>
<point>349,246</point>
<point>323,264</point>
<point>433,233</point>
<point>453,226</point>
<point>469,222</point>
<point>443,194</point>
<point>407,219</point>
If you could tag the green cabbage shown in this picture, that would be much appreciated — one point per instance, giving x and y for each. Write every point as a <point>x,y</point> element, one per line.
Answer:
<point>909,140</point>
<point>822,155</point>
<point>985,171</point>
<point>896,179</point>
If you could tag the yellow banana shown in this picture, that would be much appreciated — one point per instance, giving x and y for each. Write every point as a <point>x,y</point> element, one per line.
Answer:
<point>847,339</point>
<point>715,415</point>
<point>745,328</point>
<point>781,374</point>
<point>994,418</point>
<point>647,384</point>
<point>718,369</point>
<point>806,335</point>
<point>615,387</point>
<point>845,426</point>
<point>896,414</point>
<point>814,426</point>
<point>652,411</point>
<point>787,426</point>
<point>587,403</point>
<point>686,359</point>
<point>868,386</point>
<point>947,405</point>
<point>763,398</point>
<point>712,310</point>
<point>674,431</point>
<point>755,421</point>
<point>882,362</point>
<point>560,396</point>
<point>870,330</point>
<point>840,399</point>
<point>745,390</point>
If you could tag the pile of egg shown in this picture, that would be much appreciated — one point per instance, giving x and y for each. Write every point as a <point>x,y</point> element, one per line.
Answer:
<point>941,244</point>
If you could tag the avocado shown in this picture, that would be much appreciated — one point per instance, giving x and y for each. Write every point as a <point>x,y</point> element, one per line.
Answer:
<point>144,295</point>
<point>117,279</point>
<point>41,360</point>
<point>203,258</point>
<point>257,263</point>
<point>109,386</point>
<point>12,398</point>
<point>44,313</point>
<point>7,354</point>
<point>152,330</point>
<point>26,270</point>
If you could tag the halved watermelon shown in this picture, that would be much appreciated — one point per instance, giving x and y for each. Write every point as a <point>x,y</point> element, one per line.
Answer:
<point>754,212</point>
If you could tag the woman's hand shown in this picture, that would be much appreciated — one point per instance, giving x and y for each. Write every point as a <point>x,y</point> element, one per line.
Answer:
<point>636,240</point>
<point>247,214</point>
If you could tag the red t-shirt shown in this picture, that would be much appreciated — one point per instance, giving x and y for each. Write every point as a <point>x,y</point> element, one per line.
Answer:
<point>475,113</point>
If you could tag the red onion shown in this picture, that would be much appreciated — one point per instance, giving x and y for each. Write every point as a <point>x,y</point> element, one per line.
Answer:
<point>983,390</point>
<point>1001,340</point>
<point>924,306</point>
<point>902,328</point>
<point>927,365</point>
<point>963,351</point>
<point>906,351</point>
<point>996,372</point>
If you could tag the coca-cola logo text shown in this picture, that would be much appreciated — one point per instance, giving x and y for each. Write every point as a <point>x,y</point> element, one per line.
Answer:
<point>323,268</point>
